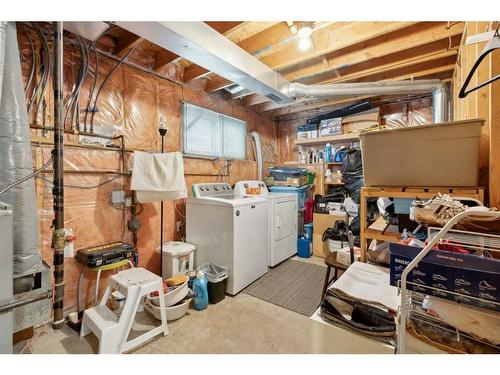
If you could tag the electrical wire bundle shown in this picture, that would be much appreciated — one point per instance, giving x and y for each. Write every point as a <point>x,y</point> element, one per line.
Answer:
<point>39,90</point>
<point>72,104</point>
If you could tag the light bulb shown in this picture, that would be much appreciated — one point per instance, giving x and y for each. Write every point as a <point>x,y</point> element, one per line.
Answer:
<point>305,43</point>
<point>305,31</point>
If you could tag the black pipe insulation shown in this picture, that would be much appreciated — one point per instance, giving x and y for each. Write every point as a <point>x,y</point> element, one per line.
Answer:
<point>58,237</point>
<point>342,112</point>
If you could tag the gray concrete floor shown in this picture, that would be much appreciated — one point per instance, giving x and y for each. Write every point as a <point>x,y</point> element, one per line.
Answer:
<point>240,324</point>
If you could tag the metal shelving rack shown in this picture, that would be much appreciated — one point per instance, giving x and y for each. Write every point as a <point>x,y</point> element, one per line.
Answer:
<point>478,241</point>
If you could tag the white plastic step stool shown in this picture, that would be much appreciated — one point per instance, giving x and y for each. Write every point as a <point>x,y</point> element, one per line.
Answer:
<point>111,330</point>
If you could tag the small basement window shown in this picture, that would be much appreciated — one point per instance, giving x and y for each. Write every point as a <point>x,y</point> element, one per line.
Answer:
<point>210,134</point>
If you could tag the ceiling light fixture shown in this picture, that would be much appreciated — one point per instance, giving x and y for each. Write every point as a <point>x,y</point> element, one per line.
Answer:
<point>305,31</point>
<point>305,43</point>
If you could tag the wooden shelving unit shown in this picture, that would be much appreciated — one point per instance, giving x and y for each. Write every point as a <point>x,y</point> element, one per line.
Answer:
<point>328,139</point>
<point>367,234</point>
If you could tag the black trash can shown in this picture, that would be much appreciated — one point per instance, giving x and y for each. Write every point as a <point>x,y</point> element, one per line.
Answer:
<point>217,281</point>
<point>217,290</point>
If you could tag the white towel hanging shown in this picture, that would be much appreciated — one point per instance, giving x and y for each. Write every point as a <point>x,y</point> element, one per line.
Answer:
<point>158,177</point>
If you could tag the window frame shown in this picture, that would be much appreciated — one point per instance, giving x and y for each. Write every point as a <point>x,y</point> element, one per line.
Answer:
<point>220,119</point>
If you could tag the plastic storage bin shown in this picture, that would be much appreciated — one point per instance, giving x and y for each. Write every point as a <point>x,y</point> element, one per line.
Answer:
<point>402,205</point>
<point>430,155</point>
<point>178,258</point>
<point>217,281</point>
<point>304,248</point>
<point>300,191</point>
<point>308,229</point>
<point>281,173</point>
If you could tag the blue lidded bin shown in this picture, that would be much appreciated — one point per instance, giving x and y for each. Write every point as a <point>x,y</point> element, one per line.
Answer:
<point>308,231</point>
<point>304,248</point>
<point>300,191</point>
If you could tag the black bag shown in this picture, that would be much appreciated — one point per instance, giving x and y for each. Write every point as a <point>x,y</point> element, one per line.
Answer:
<point>352,173</point>
<point>337,233</point>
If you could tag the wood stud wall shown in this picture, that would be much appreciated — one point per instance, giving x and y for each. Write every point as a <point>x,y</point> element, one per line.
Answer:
<point>483,103</point>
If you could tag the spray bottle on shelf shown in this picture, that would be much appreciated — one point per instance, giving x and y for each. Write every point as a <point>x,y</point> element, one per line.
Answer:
<point>299,154</point>
<point>328,153</point>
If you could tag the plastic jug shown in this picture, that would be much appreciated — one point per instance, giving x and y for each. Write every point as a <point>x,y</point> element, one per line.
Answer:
<point>328,153</point>
<point>200,291</point>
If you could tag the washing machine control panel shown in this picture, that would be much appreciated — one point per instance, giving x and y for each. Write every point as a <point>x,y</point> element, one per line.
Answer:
<point>251,187</point>
<point>212,189</point>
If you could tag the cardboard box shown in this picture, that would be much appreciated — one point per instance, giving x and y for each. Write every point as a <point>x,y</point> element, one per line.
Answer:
<point>330,127</point>
<point>269,181</point>
<point>322,222</point>
<point>320,248</point>
<point>293,181</point>
<point>467,274</point>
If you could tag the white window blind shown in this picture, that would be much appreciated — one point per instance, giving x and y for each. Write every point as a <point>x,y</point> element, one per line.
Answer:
<point>211,134</point>
<point>235,138</point>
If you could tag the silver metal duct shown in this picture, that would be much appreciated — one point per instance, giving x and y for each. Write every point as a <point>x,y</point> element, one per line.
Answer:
<point>15,158</point>
<point>3,38</point>
<point>202,45</point>
<point>90,30</point>
<point>438,89</point>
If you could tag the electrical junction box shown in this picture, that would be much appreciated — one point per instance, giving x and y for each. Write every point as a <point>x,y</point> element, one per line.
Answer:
<point>118,197</point>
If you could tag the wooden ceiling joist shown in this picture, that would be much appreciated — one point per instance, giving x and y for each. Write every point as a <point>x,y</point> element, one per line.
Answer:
<point>395,42</point>
<point>331,39</point>
<point>433,54</point>
<point>125,42</point>
<point>430,52</point>
<point>326,40</point>
<point>426,42</point>
<point>163,58</point>
<point>223,26</point>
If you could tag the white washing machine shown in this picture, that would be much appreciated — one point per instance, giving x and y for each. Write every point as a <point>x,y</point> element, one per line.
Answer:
<point>228,231</point>
<point>282,219</point>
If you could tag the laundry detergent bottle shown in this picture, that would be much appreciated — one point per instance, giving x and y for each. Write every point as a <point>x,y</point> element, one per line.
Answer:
<point>200,291</point>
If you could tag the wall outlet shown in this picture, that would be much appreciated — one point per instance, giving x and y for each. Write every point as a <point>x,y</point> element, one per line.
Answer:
<point>118,197</point>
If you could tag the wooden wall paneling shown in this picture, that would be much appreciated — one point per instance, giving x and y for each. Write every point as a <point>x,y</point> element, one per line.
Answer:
<point>494,115</point>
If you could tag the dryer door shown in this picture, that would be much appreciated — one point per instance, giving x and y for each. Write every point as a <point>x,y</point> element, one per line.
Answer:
<point>285,216</point>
